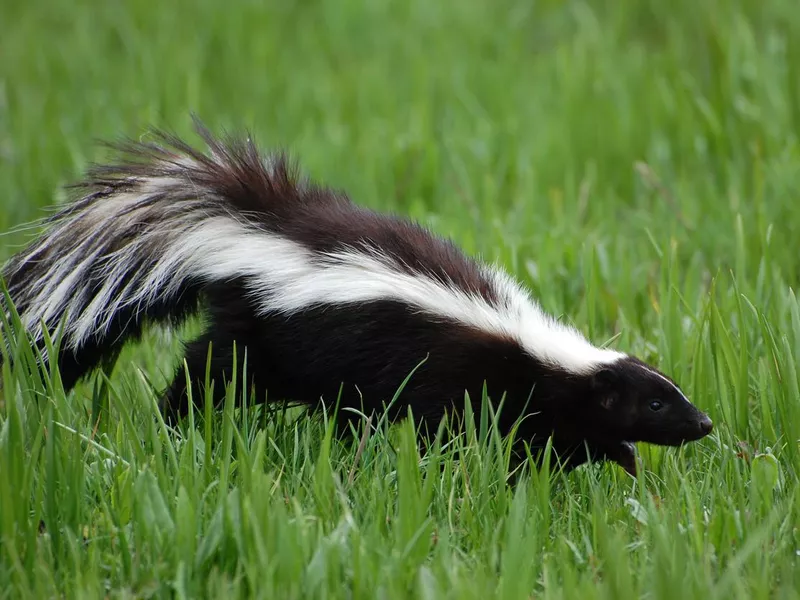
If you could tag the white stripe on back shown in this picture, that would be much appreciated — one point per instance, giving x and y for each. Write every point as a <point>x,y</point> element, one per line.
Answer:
<point>284,277</point>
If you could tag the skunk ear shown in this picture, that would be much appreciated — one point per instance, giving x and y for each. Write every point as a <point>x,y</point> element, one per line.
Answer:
<point>604,379</point>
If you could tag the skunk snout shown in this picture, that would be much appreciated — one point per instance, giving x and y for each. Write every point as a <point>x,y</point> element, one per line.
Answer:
<point>698,428</point>
<point>706,425</point>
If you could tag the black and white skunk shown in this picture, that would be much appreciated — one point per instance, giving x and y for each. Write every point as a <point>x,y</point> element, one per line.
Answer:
<point>331,302</point>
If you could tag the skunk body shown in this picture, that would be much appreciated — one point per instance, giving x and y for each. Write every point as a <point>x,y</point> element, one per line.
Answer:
<point>328,300</point>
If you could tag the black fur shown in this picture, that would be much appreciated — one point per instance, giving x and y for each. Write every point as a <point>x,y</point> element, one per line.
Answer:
<point>361,356</point>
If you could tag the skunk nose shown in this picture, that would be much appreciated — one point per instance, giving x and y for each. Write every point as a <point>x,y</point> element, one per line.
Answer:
<point>706,425</point>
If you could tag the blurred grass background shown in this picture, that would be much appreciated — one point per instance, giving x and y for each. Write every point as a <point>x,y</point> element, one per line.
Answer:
<point>635,162</point>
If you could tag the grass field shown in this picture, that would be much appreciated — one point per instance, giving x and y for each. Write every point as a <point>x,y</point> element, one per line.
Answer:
<point>635,162</point>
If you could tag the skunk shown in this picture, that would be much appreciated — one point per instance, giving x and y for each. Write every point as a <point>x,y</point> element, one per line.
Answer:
<point>329,302</point>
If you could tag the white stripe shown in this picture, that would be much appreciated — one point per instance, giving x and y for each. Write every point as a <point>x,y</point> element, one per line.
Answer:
<point>286,277</point>
<point>660,376</point>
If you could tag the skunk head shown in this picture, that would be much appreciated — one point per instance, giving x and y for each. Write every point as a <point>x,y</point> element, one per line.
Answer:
<point>635,403</point>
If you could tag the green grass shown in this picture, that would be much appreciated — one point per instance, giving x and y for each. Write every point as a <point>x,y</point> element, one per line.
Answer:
<point>635,162</point>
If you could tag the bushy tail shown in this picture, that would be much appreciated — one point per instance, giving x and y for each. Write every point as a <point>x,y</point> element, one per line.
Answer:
<point>143,241</point>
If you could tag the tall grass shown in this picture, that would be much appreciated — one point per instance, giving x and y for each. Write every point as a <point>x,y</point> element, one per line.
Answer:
<point>634,162</point>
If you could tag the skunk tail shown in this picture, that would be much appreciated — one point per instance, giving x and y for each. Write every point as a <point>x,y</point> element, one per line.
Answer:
<point>145,240</point>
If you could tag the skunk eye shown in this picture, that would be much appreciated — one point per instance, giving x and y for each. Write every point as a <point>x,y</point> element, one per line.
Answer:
<point>656,405</point>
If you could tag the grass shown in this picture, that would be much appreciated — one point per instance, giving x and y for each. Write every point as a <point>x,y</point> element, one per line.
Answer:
<point>636,163</point>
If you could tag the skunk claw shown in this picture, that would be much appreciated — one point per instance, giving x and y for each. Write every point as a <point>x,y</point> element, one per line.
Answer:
<point>627,457</point>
